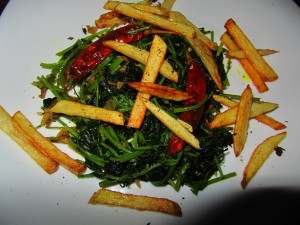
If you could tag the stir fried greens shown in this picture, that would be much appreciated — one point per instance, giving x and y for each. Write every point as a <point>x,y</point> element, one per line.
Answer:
<point>119,155</point>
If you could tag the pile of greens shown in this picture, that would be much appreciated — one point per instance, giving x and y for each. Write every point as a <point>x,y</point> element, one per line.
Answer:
<point>119,155</point>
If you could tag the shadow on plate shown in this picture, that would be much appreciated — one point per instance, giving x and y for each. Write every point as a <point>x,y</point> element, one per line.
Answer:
<point>267,206</point>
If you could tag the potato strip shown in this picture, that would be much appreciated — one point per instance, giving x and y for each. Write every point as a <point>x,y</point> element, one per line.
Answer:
<point>46,146</point>
<point>77,109</point>
<point>156,20</point>
<point>141,56</point>
<point>16,133</point>
<point>246,64</point>
<point>138,202</point>
<point>259,156</point>
<point>242,121</point>
<point>263,68</point>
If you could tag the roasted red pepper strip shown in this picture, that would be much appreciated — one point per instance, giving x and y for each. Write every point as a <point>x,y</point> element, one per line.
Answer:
<point>95,53</point>
<point>196,87</point>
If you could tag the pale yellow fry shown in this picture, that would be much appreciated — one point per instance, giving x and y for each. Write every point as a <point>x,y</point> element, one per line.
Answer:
<point>228,117</point>
<point>155,59</point>
<point>239,54</point>
<point>167,5</point>
<point>158,10</point>
<point>16,133</point>
<point>95,113</point>
<point>259,156</point>
<point>255,77</point>
<point>155,20</point>
<point>172,123</point>
<point>242,121</point>
<point>267,120</point>
<point>46,146</point>
<point>259,63</point>
<point>208,60</point>
<point>179,17</point>
<point>141,56</point>
<point>138,202</point>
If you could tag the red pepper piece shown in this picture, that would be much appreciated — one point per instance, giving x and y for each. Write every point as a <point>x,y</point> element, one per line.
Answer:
<point>196,87</point>
<point>95,53</point>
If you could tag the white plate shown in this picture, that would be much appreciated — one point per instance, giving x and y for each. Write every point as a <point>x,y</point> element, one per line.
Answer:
<point>33,31</point>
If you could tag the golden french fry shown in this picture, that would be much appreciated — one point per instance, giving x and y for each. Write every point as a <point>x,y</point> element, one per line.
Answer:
<point>271,122</point>
<point>172,123</point>
<point>228,117</point>
<point>141,56</point>
<point>158,10</point>
<point>263,68</point>
<point>16,133</point>
<point>245,63</point>
<point>242,121</point>
<point>138,202</point>
<point>77,109</point>
<point>155,59</point>
<point>179,17</point>
<point>155,20</point>
<point>259,156</point>
<point>47,147</point>
<point>267,120</point>
<point>239,54</point>
<point>159,91</point>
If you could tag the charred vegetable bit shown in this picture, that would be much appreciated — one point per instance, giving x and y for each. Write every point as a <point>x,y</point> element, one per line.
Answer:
<point>119,155</point>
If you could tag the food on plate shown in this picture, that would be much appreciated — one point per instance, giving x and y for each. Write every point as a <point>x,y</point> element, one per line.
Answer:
<point>258,62</point>
<point>97,72</point>
<point>260,155</point>
<point>29,145</point>
<point>241,125</point>
<point>138,202</point>
<point>154,62</point>
<point>269,121</point>
<point>239,54</point>
<point>142,100</point>
<point>228,117</point>
<point>254,75</point>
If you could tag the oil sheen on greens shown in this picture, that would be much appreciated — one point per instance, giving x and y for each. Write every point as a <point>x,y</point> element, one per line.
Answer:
<point>119,155</point>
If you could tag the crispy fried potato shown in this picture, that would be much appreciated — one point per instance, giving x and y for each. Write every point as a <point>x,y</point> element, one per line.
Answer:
<point>259,156</point>
<point>267,120</point>
<point>156,20</point>
<point>47,147</point>
<point>155,60</point>
<point>263,68</point>
<point>239,54</point>
<point>242,121</point>
<point>175,126</point>
<point>141,56</point>
<point>228,117</point>
<point>179,17</point>
<point>245,63</point>
<point>157,9</point>
<point>76,109</point>
<point>160,91</point>
<point>16,133</point>
<point>271,122</point>
<point>138,202</point>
